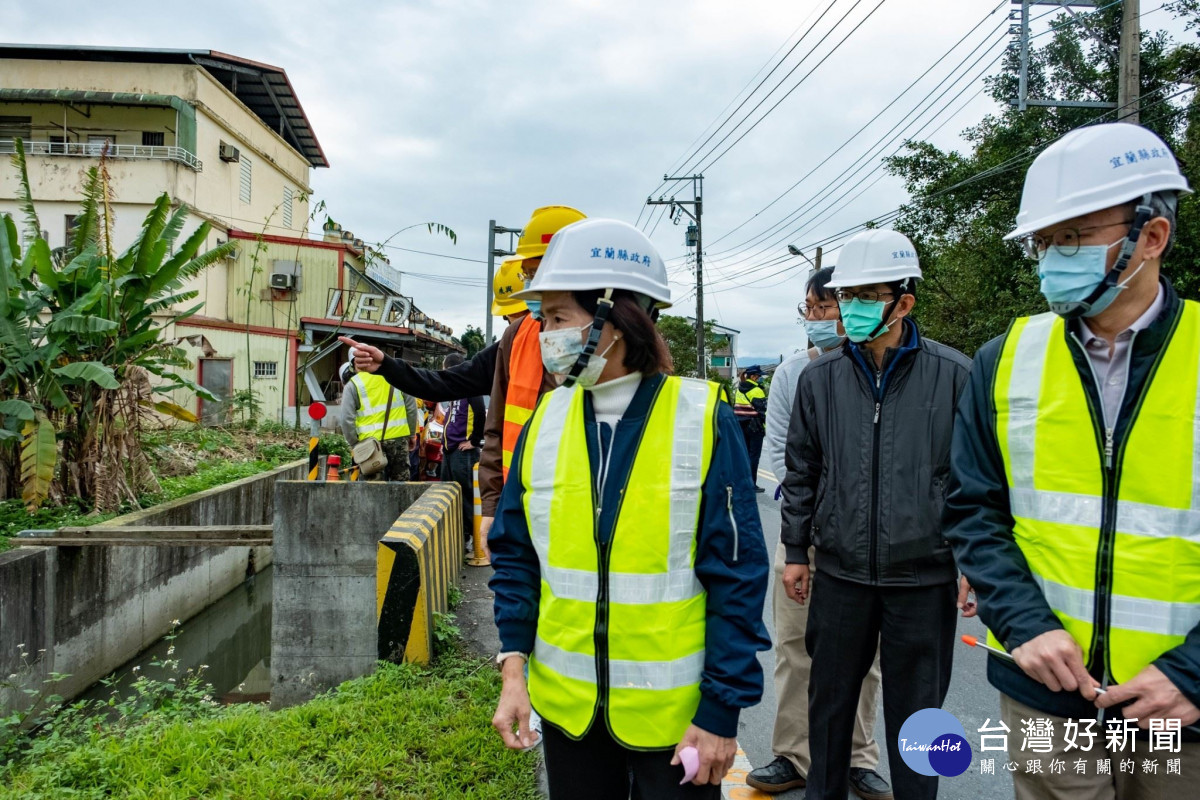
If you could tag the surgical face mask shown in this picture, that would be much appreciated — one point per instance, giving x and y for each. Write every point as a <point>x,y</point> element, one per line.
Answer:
<point>823,333</point>
<point>862,319</point>
<point>535,306</point>
<point>1068,281</point>
<point>562,348</point>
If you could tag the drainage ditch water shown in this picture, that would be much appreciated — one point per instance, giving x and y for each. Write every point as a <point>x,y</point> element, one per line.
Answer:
<point>232,637</point>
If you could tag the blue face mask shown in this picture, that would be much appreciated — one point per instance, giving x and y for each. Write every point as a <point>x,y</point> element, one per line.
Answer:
<point>861,320</point>
<point>823,333</point>
<point>1068,281</point>
<point>535,306</point>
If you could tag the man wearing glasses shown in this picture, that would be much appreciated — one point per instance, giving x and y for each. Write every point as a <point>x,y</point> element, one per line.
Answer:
<point>789,742</point>
<point>867,457</point>
<point>1074,503</point>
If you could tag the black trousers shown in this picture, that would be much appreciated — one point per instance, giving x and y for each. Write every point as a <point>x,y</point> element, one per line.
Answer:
<point>599,768</point>
<point>754,433</point>
<point>914,629</point>
<point>458,466</point>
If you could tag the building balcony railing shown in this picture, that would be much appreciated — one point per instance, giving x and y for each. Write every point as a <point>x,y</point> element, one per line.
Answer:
<point>95,149</point>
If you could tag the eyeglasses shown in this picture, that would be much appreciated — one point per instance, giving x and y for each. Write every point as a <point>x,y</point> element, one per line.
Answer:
<point>868,296</point>
<point>1064,240</point>
<point>819,311</point>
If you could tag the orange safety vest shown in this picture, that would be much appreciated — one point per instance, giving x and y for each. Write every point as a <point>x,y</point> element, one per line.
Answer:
<point>524,385</point>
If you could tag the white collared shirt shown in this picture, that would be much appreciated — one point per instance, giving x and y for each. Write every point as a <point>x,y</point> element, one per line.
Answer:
<point>1112,363</point>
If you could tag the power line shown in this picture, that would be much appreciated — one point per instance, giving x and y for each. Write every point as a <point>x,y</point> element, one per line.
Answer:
<point>688,151</point>
<point>788,94</point>
<point>718,258</point>
<point>1008,165</point>
<point>898,131</point>
<point>873,119</point>
<point>777,85</point>
<point>732,253</point>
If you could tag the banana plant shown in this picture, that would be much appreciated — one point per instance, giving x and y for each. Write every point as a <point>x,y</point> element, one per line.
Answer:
<point>80,329</point>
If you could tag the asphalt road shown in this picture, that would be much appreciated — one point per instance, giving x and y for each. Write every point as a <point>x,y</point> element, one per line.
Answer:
<point>972,699</point>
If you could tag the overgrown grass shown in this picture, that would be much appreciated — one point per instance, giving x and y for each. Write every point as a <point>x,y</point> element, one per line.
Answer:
<point>405,732</point>
<point>187,460</point>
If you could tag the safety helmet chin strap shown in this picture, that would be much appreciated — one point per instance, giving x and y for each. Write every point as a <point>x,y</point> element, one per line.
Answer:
<point>1142,215</point>
<point>603,309</point>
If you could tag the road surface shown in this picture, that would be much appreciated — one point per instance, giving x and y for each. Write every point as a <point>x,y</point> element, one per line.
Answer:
<point>972,699</point>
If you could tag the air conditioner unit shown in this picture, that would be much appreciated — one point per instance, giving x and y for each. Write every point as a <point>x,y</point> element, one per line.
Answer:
<point>281,280</point>
<point>229,153</point>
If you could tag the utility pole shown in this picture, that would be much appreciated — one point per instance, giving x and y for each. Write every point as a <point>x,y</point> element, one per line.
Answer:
<point>1019,17</point>
<point>493,229</point>
<point>694,237</point>
<point>1129,82</point>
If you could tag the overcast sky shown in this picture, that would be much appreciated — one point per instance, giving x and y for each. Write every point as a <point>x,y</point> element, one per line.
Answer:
<point>461,112</point>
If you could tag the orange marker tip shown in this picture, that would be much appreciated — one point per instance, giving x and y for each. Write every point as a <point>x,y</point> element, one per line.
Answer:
<point>971,640</point>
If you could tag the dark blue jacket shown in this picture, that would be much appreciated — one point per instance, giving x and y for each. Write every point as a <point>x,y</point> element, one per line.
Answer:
<point>979,525</point>
<point>731,563</point>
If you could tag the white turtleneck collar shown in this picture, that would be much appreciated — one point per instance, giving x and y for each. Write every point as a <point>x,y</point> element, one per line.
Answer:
<point>611,398</point>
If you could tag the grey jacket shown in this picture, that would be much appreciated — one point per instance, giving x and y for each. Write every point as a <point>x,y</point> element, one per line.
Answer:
<point>868,457</point>
<point>349,410</point>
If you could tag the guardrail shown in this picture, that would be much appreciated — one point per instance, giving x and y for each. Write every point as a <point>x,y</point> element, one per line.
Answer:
<point>95,149</point>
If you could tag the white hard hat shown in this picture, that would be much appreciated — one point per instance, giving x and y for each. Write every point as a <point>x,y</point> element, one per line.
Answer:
<point>595,254</point>
<point>346,372</point>
<point>875,256</point>
<point>1092,168</point>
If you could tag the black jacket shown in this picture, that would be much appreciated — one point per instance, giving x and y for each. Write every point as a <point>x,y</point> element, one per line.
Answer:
<point>979,525</point>
<point>471,378</point>
<point>867,456</point>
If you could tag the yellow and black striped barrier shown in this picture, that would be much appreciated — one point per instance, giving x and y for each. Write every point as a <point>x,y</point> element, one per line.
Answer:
<point>419,559</point>
<point>314,458</point>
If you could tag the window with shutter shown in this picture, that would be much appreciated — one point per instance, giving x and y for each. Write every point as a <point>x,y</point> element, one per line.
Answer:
<point>287,206</point>
<point>245,187</point>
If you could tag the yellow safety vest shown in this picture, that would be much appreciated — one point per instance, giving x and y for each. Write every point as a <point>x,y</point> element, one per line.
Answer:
<point>644,605</point>
<point>1112,536</point>
<point>373,392</point>
<point>742,401</point>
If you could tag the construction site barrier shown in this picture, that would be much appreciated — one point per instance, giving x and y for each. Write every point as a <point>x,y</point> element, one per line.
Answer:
<point>419,560</point>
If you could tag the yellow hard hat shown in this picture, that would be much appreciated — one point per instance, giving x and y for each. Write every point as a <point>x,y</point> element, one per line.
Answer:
<point>507,281</point>
<point>544,223</point>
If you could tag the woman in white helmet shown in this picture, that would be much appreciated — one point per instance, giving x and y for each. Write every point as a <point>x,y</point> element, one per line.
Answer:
<point>630,565</point>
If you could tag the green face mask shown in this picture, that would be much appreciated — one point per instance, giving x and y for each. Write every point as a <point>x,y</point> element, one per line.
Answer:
<point>862,321</point>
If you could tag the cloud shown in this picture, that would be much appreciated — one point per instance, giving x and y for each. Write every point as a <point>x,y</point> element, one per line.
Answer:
<point>461,112</point>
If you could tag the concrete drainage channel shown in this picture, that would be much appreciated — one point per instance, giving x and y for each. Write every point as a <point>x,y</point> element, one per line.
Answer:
<point>361,568</point>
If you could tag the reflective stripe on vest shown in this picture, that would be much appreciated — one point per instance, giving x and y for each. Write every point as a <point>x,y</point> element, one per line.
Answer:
<point>524,386</point>
<point>655,606</point>
<point>373,392</point>
<point>743,401</point>
<point>1054,457</point>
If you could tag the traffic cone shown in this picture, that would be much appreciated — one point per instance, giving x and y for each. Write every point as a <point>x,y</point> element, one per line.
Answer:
<point>332,465</point>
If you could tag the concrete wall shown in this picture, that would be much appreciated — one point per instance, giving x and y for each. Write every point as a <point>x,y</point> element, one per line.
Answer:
<point>331,578</point>
<point>85,611</point>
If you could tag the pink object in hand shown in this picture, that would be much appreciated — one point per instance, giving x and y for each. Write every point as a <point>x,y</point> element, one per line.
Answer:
<point>690,758</point>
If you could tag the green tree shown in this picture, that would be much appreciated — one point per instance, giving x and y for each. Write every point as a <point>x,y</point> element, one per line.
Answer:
<point>680,336</point>
<point>964,203</point>
<point>81,342</point>
<point>472,340</point>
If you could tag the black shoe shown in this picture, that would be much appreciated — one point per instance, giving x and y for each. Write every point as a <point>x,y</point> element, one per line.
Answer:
<point>869,784</point>
<point>778,776</point>
<point>759,489</point>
